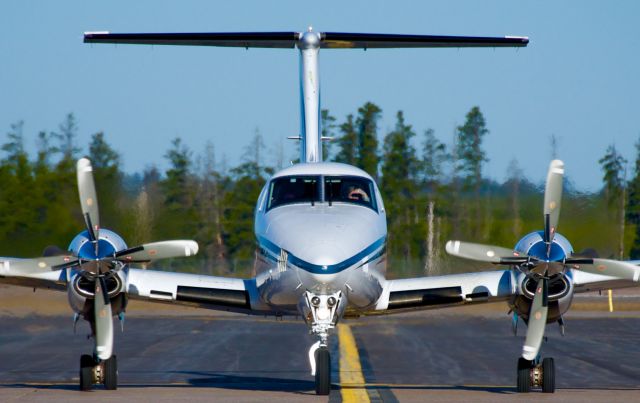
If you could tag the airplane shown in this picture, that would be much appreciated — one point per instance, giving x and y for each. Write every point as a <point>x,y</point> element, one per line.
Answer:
<point>321,235</point>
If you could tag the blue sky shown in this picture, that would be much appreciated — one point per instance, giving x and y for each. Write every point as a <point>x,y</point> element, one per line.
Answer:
<point>578,79</point>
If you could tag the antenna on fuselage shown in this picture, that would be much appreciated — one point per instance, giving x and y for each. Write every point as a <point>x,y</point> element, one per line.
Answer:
<point>309,44</point>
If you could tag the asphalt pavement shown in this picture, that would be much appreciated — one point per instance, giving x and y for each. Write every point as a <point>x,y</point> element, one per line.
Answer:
<point>450,355</point>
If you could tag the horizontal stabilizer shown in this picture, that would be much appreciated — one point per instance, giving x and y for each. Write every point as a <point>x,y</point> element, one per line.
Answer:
<point>227,39</point>
<point>330,40</point>
<point>370,41</point>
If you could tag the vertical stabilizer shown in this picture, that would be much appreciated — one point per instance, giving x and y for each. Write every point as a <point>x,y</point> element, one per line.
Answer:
<point>311,143</point>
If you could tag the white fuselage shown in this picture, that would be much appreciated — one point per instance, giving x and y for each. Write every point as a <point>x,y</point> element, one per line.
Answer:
<point>324,245</point>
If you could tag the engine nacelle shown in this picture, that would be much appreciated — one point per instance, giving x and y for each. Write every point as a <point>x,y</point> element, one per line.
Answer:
<point>81,291</point>
<point>560,296</point>
<point>81,288</point>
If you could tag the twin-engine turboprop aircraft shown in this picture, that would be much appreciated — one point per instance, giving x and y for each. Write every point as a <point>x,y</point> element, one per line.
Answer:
<point>321,234</point>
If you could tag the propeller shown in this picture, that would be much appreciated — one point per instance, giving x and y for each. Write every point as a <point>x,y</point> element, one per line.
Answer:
<point>485,253</point>
<point>103,320</point>
<point>144,253</point>
<point>544,266</point>
<point>96,267</point>
<point>88,200</point>
<point>607,267</point>
<point>539,309</point>
<point>552,198</point>
<point>537,320</point>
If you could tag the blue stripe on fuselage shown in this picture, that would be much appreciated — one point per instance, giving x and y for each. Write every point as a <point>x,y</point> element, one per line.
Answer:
<point>320,269</point>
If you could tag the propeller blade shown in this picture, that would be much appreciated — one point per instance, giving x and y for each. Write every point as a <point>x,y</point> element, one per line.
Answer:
<point>537,321</point>
<point>38,265</point>
<point>158,250</point>
<point>484,253</point>
<point>103,320</point>
<point>552,199</point>
<point>607,267</point>
<point>88,199</point>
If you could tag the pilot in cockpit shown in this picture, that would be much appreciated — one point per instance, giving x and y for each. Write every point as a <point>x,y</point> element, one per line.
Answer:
<point>355,192</point>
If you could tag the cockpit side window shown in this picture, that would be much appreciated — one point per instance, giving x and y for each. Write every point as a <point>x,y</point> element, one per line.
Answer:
<point>293,189</point>
<point>350,189</point>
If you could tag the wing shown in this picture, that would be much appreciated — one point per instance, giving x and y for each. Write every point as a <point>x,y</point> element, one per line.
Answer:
<point>210,292</point>
<point>38,273</point>
<point>602,276</point>
<point>443,291</point>
<point>490,286</point>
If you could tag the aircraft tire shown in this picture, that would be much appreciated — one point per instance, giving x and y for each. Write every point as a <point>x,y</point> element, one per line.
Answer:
<point>548,376</point>
<point>86,372</point>
<point>111,373</point>
<point>323,371</point>
<point>524,376</point>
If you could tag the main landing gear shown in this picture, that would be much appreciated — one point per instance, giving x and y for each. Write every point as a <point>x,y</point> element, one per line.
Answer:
<point>321,312</point>
<point>93,371</point>
<point>536,374</point>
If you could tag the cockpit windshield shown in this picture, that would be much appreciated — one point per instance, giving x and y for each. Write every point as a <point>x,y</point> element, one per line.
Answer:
<point>293,189</point>
<point>335,189</point>
<point>349,189</point>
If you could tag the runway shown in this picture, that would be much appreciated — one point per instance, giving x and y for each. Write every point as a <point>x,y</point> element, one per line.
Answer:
<point>450,355</point>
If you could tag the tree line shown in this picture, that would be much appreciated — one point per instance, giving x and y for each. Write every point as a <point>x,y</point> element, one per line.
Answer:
<point>432,190</point>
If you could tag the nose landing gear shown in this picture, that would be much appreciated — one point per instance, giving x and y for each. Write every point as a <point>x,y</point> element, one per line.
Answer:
<point>321,313</point>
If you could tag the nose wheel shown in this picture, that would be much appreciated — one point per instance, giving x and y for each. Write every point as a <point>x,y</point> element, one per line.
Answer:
<point>536,375</point>
<point>93,372</point>
<point>323,371</point>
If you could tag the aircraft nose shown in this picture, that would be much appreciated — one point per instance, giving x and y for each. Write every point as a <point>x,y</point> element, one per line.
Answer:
<point>324,252</point>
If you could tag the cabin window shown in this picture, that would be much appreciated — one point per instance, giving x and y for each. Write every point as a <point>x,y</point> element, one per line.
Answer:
<point>294,189</point>
<point>350,189</point>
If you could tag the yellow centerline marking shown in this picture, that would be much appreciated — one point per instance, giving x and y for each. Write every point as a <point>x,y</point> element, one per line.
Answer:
<point>352,386</point>
<point>610,301</point>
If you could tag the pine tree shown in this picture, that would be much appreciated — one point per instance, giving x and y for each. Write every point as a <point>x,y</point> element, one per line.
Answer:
<point>469,157</point>
<point>434,155</point>
<point>209,203</point>
<point>633,205</point>
<point>179,215</point>
<point>239,204</point>
<point>348,143</point>
<point>613,167</point>
<point>108,179</point>
<point>367,129</point>
<point>17,207</point>
<point>399,189</point>
<point>66,136</point>
<point>514,178</point>
<point>327,123</point>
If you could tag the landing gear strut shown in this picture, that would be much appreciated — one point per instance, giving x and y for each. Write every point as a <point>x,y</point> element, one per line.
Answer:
<point>93,372</point>
<point>321,312</point>
<point>537,375</point>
